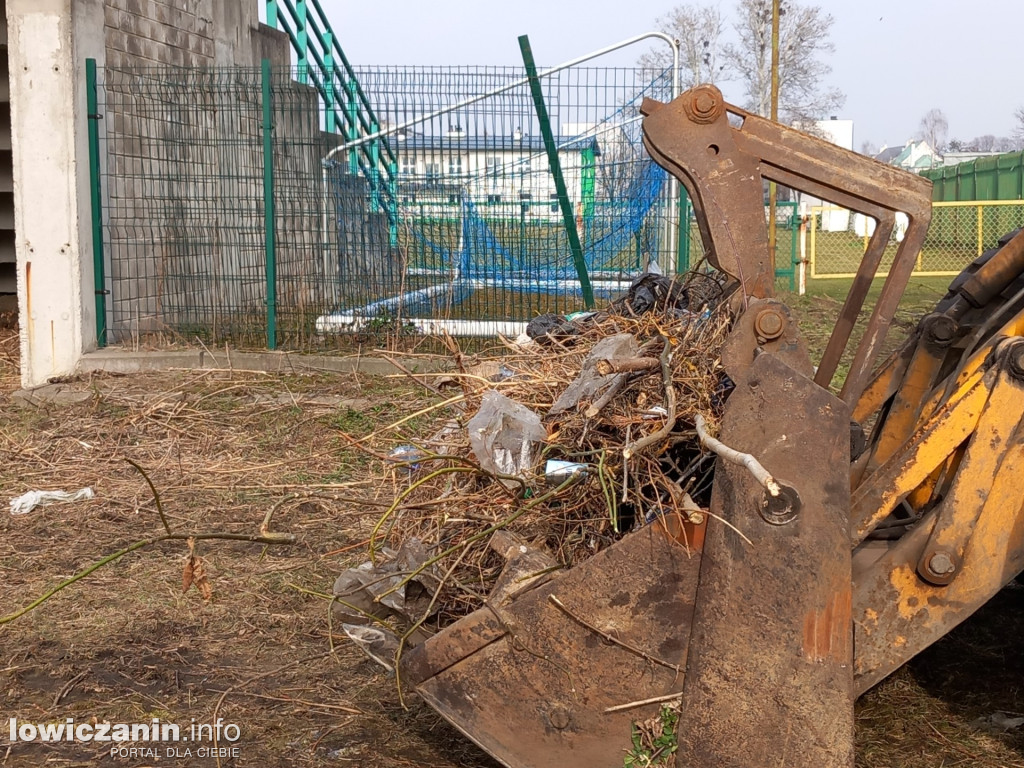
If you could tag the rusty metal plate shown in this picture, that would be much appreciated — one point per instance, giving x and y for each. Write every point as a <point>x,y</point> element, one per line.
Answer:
<point>769,679</point>
<point>535,695</point>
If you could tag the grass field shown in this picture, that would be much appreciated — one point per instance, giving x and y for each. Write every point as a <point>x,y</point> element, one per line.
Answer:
<point>223,447</point>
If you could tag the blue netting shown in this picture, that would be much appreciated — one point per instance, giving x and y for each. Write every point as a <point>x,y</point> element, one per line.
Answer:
<point>610,236</point>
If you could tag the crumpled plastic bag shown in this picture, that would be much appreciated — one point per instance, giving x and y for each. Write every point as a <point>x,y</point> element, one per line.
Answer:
<point>502,436</point>
<point>29,501</point>
<point>998,722</point>
<point>373,589</point>
<point>379,644</point>
<point>550,326</point>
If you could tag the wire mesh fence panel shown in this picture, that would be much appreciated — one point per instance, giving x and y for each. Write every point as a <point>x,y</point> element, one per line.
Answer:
<point>399,216</point>
<point>480,233</point>
<point>971,228</point>
<point>183,220</point>
<point>958,233</point>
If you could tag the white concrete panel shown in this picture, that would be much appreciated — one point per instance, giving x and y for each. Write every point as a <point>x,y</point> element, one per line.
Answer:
<point>47,160</point>
<point>42,119</point>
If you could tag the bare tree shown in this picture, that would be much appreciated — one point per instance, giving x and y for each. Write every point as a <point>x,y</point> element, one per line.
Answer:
<point>868,148</point>
<point>803,37</point>
<point>699,31</point>
<point>1004,144</point>
<point>934,128</point>
<point>1018,128</point>
<point>990,143</point>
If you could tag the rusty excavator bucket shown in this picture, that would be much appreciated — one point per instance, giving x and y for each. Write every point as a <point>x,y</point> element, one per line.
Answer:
<point>745,617</point>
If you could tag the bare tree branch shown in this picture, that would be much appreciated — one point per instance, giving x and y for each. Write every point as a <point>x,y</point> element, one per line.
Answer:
<point>803,37</point>
<point>934,129</point>
<point>1018,127</point>
<point>699,30</point>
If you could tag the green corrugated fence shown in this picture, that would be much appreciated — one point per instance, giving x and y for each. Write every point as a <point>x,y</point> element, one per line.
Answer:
<point>999,177</point>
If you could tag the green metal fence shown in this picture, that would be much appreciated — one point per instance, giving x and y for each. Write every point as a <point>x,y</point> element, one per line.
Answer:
<point>1000,177</point>
<point>958,233</point>
<point>228,211</point>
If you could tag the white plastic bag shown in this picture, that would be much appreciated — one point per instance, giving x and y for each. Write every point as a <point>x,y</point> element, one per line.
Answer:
<point>29,501</point>
<point>502,436</point>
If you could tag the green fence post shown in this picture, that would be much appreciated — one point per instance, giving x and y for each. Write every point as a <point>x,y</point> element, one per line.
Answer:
<point>392,203</point>
<point>352,110</point>
<point>330,98</point>
<point>588,188</point>
<point>683,238</point>
<point>556,170</point>
<point>374,160</point>
<point>98,266</point>
<point>268,207</point>
<point>794,235</point>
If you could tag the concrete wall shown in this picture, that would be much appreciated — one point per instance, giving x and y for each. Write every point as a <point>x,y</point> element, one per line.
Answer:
<point>154,32</point>
<point>182,179</point>
<point>49,41</point>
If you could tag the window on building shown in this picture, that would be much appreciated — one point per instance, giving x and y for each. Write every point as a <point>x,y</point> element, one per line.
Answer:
<point>554,202</point>
<point>492,165</point>
<point>494,198</point>
<point>455,165</point>
<point>408,166</point>
<point>432,170</point>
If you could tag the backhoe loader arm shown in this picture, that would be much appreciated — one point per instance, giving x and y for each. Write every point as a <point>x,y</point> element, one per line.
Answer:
<point>722,167</point>
<point>937,515</point>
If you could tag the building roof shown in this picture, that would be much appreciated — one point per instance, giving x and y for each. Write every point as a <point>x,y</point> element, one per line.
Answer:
<point>889,154</point>
<point>914,155</point>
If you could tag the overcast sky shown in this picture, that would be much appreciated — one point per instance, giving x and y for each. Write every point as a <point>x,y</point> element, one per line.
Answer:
<point>894,59</point>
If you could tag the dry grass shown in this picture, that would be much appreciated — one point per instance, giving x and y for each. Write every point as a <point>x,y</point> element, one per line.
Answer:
<point>125,644</point>
<point>222,449</point>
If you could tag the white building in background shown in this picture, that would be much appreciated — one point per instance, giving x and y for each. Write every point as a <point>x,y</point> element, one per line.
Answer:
<point>833,219</point>
<point>443,170</point>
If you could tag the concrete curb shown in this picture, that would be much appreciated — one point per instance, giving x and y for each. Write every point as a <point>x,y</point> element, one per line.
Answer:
<point>116,360</point>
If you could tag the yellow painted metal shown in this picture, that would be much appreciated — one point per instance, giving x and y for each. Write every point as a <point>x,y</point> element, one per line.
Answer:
<point>981,229</point>
<point>884,385</point>
<point>926,490</point>
<point>906,408</point>
<point>814,247</point>
<point>875,498</point>
<point>986,452</point>
<point>897,614</point>
<point>969,372</point>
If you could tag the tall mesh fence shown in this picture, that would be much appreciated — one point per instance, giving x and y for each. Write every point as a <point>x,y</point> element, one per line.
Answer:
<point>480,225</point>
<point>463,226</point>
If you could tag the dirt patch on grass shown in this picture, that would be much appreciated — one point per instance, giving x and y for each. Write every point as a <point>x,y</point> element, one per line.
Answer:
<point>124,644</point>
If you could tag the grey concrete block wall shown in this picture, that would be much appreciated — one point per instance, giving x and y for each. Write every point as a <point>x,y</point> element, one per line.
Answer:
<point>159,32</point>
<point>184,189</point>
<point>176,258</point>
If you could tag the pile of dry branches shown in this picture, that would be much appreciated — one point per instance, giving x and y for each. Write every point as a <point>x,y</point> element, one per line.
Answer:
<point>618,395</point>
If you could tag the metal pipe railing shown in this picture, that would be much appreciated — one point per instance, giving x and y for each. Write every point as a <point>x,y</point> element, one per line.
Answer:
<point>318,55</point>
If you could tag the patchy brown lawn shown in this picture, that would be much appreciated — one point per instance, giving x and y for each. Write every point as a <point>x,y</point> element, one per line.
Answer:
<point>223,448</point>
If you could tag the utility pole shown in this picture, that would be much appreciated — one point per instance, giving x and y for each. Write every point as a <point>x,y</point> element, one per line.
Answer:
<point>775,116</point>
